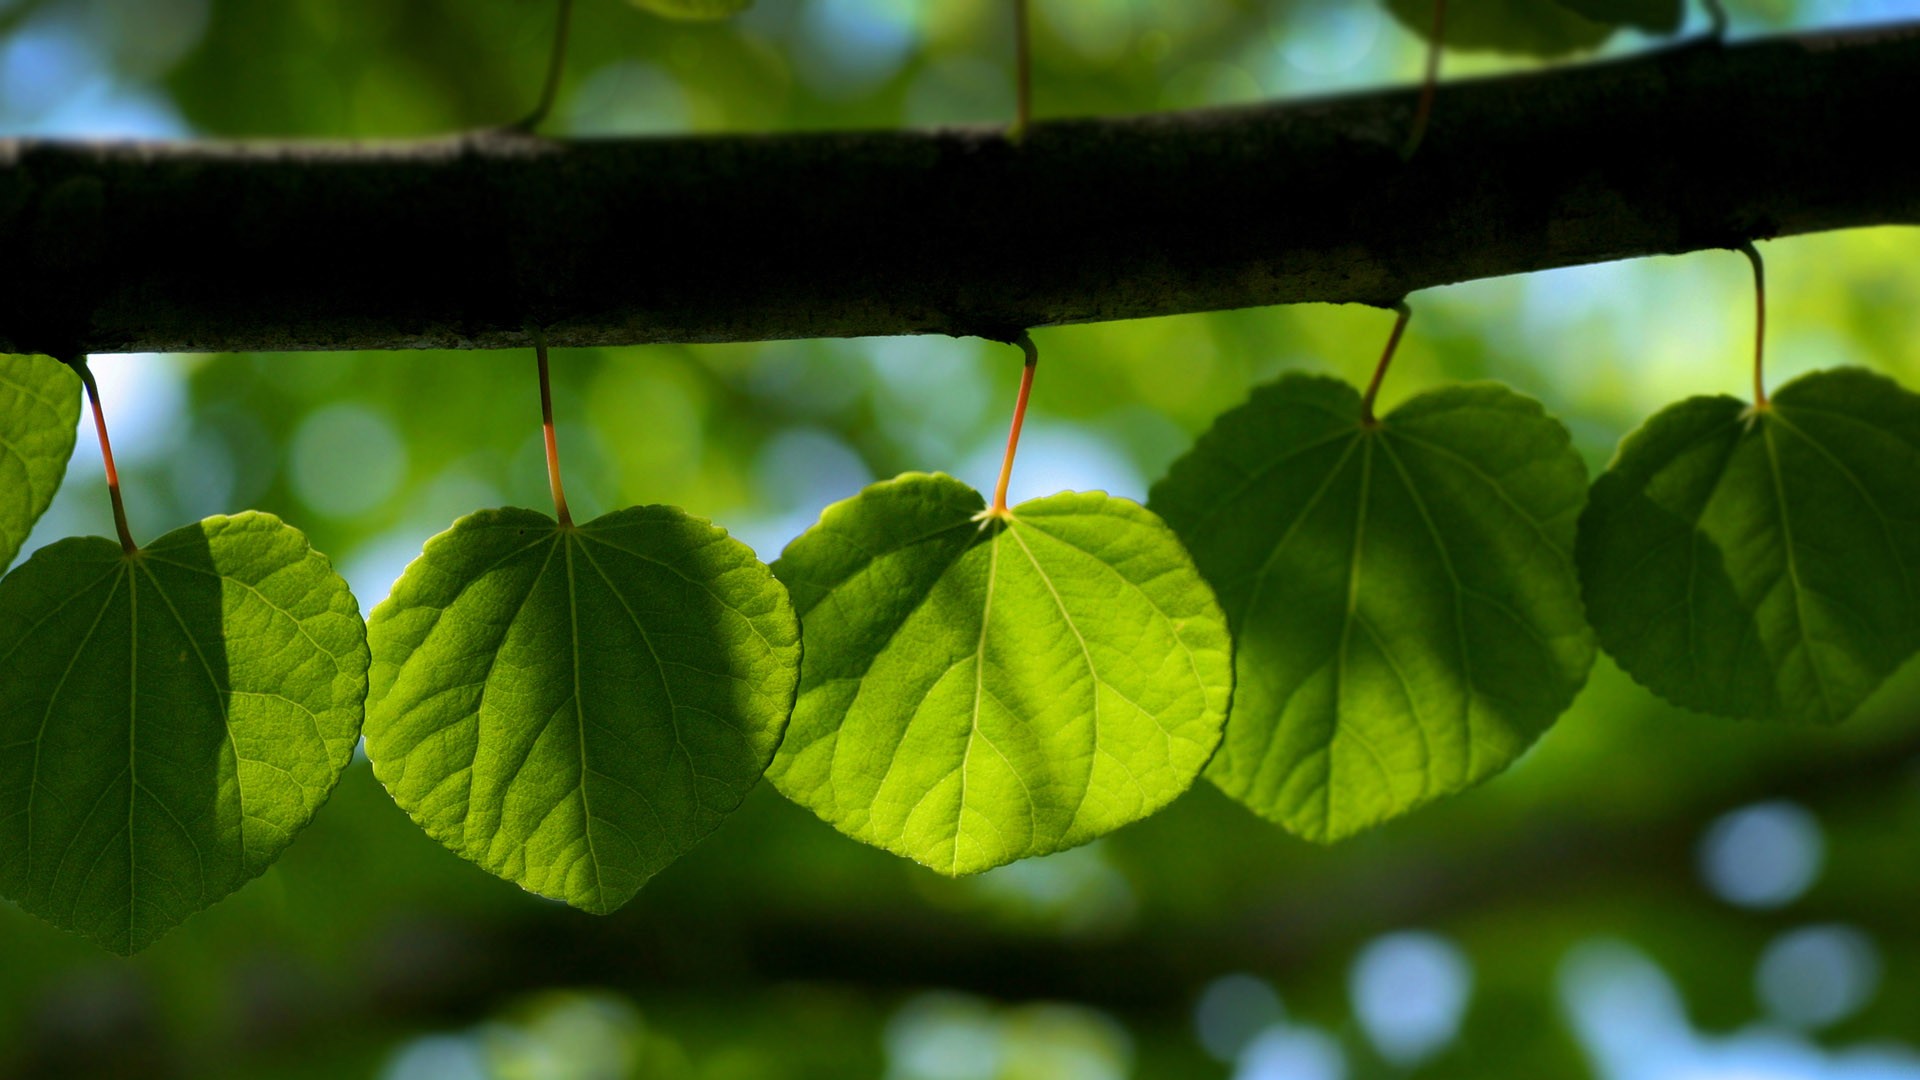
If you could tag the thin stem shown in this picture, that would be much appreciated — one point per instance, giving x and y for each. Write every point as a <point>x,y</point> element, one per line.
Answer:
<point>1019,417</point>
<point>1716,19</point>
<point>546,424</point>
<point>1423,112</point>
<point>1367,419</point>
<point>1023,70</point>
<point>1759,323</point>
<point>79,365</point>
<point>556,64</point>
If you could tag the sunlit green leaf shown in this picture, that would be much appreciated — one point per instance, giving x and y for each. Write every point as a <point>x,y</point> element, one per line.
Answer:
<point>1653,16</point>
<point>1530,27</point>
<point>977,691</point>
<point>693,9</point>
<point>1763,563</point>
<point>39,407</point>
<point>1405,611</point>
<point>573,707</point>
<point>169,720</point>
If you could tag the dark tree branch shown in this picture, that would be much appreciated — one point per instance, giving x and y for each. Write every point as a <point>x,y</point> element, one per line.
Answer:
<point>459,242</point>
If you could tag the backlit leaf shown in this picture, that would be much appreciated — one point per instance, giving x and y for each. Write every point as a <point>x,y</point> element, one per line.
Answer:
<point>693,9</point>
<point>169,720</point>
<point>1763,563</point>
<point>1405,611</point>
<point>39,408</point>
<point>975,692</point>
<point>573,707</point>
<point>1530,27</point>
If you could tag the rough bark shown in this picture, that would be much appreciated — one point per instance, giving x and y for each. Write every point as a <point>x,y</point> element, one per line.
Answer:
<point>460,242</point>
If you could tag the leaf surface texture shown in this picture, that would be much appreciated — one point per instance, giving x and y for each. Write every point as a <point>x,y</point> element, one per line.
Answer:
<point>1763,564</point>
<point>978,691</point>
<point>572,708</point>
<point>169,720</point>
<point>1405,611</point>
<point>39,411</point>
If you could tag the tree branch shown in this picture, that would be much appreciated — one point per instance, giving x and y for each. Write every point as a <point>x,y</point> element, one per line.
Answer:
<point>459,242</point>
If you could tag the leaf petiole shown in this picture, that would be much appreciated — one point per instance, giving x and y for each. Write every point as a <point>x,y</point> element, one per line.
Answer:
<point>1367,419</point>
<point>1423,112</point>
<point>556,64</point>
<point>1759,323</point>
<point>79,366</point>
<point>999,508</point>
<point>546,424</point>
<point>1716,20</point>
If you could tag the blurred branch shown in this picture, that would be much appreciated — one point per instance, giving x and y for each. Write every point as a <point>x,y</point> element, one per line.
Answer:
<point>460,242</point>
<point>1538,865</point>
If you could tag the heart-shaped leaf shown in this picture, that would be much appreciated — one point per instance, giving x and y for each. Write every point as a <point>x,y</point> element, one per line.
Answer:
<point>693,9</point>
<point>169,719</point>
<point>1405,612</point>
<point>574,707</point>
<point>1528,27</point>
<point>39,408</point>
<point>1762,563</point>
<point>977,690</point>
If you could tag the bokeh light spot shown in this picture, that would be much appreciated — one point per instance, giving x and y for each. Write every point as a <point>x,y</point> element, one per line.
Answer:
<point>1292,1053</point>
<point>1410,990</point>
<point>1817,975</point>
<point>1762,856</point>
<point>1232,1010</point>
<point>346,460</point>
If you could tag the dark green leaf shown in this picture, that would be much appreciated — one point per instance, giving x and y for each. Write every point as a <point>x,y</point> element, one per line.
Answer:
<point>1530,27</point>
<point>169,720</point>
<point>1653,16</point>
<point>979,690</point>
<point>572,708</point>
<point>39,408</point>
<point>693,9</point>
<point>1405,612</point>
<point>1762,563</point>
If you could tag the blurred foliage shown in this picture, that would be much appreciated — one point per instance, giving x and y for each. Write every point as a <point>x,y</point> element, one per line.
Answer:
<point>779,949</point>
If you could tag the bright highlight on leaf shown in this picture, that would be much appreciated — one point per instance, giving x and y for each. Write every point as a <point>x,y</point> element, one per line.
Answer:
<point>1405,612</point>
<point>169,719</point>
<point>693,9</point>
<point>978,689</point>
<point>1763,563</point>
<point>39,408</point>
<point>574,707</point>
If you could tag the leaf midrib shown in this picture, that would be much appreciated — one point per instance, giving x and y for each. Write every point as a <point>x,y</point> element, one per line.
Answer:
<point>226,725</point>
<point>979,688</point>
<point>580,715</point>
<point>1793,568</point>
<point>1853,480</point>
<point>114,575</point>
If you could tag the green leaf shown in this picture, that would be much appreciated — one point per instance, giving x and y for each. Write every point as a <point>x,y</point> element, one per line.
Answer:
<point>169,720</point>
<point>693,9</point>
<point>1405,612</point>
<point>39,409</point>
<point>1652,16</point>
<point>1529,27</point>
<point>574,707</point>
<point>1762,563</point>
<point>976,691</point>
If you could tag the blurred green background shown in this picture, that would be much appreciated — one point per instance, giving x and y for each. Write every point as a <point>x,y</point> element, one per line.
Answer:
<point>1649,894</point>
